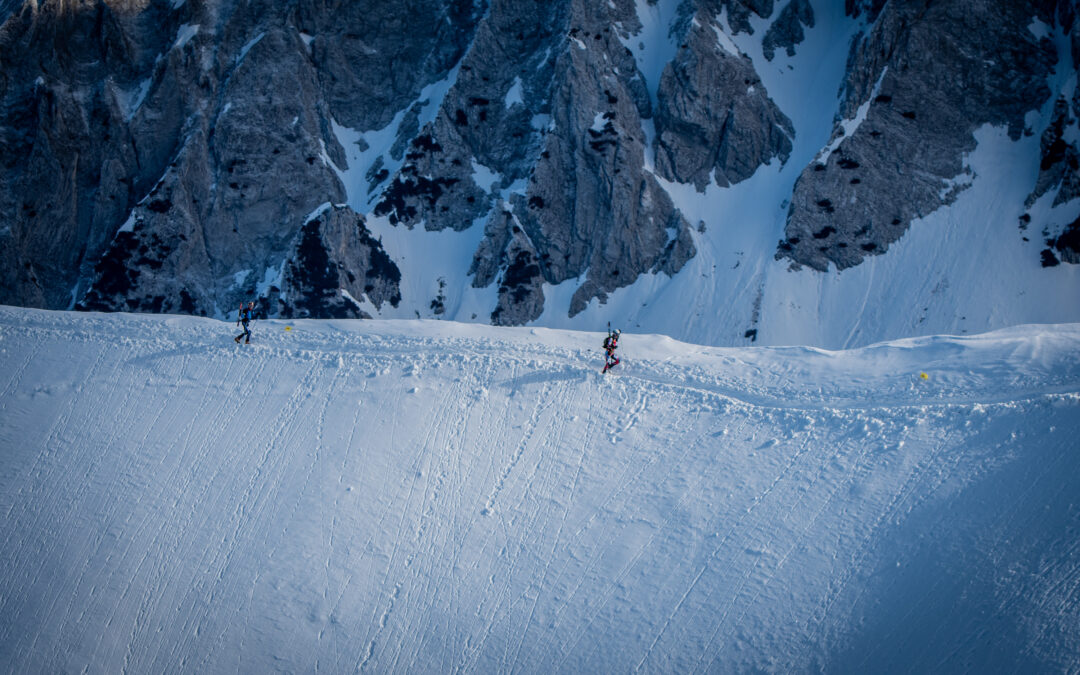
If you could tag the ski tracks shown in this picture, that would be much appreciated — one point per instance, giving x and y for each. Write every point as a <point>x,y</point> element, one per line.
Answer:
<point>549,454</point>
<point>616,501</point>
<point>501,525</point>
<point>249,518</point>
<point>524,433</point>
<point>156,546</point>
<point>46,466</point>
<point>526,437</point>
<point>416,498</point>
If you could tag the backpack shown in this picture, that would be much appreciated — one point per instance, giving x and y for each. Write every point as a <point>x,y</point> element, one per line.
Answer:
<point>607,342</point>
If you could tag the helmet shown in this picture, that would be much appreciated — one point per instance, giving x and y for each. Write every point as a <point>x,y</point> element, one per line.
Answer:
<point>618,332</point>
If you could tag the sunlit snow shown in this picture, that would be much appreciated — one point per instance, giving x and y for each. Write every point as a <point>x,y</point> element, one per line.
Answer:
<point>417,496</point>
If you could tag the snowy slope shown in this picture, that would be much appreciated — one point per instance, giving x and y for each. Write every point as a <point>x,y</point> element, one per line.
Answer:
<point>430,497</point>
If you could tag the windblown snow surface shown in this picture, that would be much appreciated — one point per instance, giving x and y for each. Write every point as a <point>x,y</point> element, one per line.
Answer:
<point>407,496</point>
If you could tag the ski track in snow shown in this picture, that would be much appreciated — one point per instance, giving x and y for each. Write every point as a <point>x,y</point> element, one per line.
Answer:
<point>434,497</point>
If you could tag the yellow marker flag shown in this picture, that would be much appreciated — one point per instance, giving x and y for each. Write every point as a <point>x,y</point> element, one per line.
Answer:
<point>924,376</point>
<point>288,327</point>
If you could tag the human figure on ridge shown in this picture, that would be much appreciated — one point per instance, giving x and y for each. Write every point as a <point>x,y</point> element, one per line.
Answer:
<point>611,342</point>
<point>245,315</point>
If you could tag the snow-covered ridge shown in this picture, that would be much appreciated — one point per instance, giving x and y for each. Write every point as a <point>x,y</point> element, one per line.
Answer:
<point>425,496</point>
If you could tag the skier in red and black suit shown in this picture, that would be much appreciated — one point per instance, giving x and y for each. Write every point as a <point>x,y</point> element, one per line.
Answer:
<point>611,342</point>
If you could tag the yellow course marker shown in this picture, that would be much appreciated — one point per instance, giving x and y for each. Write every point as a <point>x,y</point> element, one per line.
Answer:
<point>288,327</point>
<point>924,376</point>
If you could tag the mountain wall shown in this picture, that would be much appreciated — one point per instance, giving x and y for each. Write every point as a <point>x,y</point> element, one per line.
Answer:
<point>168,156</point>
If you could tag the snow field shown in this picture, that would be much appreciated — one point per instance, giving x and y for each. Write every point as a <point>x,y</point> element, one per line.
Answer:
<point>417,496</point>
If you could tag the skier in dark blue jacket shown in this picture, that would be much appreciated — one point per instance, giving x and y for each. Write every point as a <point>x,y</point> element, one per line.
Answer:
<point>245,315</point>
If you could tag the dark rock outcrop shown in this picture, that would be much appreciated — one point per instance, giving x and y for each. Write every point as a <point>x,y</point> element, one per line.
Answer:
<point>208,128</point>
<point>373,58</point>
<point>714,117</point>
<point>1065,246</point>
<point>521,293</point>
<point>590,208</point>
<point>926,76</point>
<point>1059,165</point>
<point>787,30</point>
<point>334,264</point>
<point>578,198</point>
<point>73,157</point>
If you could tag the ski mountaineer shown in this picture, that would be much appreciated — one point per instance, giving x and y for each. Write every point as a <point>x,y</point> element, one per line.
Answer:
<point>611,342</point>
<point>245,315</point>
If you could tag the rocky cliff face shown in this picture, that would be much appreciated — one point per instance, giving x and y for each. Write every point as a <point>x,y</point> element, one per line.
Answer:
<point>164,156</point>
<point>920,81</point>
<point>173,156</point>
<point>551,102</point>
<point>715,120</point>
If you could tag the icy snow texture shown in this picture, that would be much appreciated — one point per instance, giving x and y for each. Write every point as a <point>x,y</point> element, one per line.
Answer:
<point>407,496</point>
